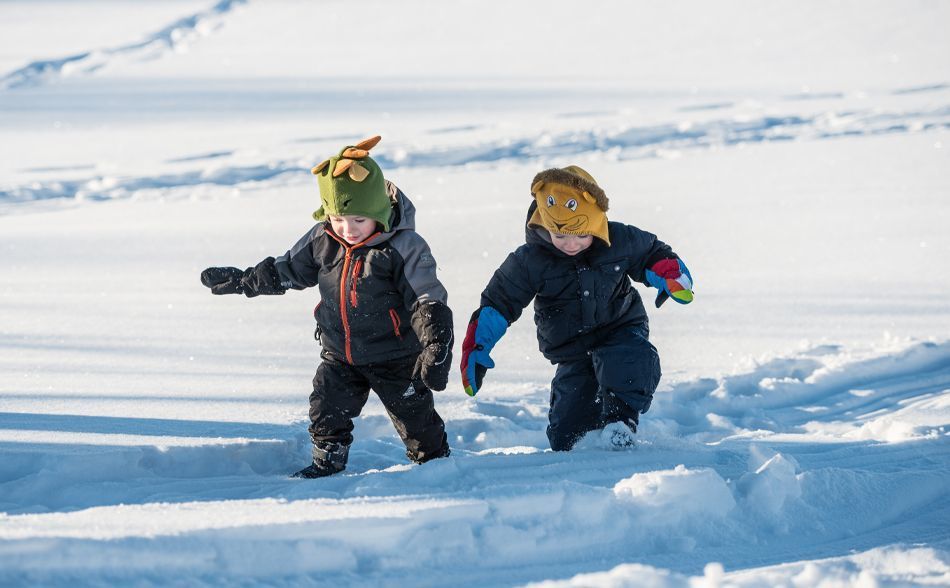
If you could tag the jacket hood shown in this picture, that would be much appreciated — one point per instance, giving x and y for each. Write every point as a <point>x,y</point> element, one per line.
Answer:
<point>403,216</point>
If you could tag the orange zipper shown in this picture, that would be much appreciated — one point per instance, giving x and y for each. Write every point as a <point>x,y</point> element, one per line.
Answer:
<point>347,347</point>
<point>357,271</point>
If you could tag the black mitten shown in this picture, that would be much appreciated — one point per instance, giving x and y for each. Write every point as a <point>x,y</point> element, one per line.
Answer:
<point>432,323</point>
<point>262,279</point>
<point>223,280</point>
<point>433,364</point>
<point>254,281</point>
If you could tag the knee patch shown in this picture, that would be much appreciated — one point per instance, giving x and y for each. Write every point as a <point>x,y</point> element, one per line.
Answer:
<point>630,371</point>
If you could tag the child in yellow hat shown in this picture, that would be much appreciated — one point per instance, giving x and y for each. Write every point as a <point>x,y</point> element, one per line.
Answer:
<point>577,267</point>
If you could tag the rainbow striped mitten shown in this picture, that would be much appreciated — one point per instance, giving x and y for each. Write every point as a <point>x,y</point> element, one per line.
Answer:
<point>672,279</point>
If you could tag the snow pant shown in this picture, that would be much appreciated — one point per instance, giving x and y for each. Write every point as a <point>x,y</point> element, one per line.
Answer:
<point>340,391</point>
<point>614,383</point>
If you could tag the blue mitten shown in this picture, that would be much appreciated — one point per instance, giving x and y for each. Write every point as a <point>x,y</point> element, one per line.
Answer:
<point>484,330</point>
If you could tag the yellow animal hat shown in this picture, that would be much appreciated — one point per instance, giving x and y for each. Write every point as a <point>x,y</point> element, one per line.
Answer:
<point>570,202</point>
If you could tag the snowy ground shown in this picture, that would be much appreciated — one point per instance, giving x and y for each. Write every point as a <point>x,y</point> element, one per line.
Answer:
<point>795,154</point>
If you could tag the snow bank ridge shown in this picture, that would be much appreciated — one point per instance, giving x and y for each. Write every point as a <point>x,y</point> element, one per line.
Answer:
<point>172,38</point>
<point>629,142</point>
<point>823,393</point>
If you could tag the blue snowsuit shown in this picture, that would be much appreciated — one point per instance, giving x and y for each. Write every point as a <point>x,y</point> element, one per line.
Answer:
<point>590,322</point>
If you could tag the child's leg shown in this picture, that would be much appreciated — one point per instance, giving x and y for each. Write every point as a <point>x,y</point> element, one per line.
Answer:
<point>628,371</point>
<point>575,407</point>
<point>412,409</point>
<point>339,394</point>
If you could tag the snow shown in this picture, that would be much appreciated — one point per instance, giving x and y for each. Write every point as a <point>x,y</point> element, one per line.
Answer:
<point>795,155</point>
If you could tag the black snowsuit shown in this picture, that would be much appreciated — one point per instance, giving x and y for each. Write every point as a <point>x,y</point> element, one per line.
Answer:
<point>590,322</point>
<point>381,304</point>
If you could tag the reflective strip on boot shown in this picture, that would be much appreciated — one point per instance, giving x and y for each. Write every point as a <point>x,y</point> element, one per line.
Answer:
<point>332,454</point>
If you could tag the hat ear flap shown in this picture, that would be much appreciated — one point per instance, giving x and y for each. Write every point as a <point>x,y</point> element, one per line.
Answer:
<point>357,172</point>
<point>319,168</point>
<point>589,198</point>
<point>367,144</point>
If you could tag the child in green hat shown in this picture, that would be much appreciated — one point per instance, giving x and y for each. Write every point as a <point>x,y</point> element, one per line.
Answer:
<point>382,320</point>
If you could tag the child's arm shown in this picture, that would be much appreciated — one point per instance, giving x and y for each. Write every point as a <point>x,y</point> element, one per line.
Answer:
<point>508,293</point>
<point>298,269</point>
<point>655,264</point>
<point>260,279</point>
<point>426,298</point>
<point>295,269</point>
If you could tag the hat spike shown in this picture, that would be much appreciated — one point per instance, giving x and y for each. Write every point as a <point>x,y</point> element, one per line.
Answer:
<point>319,168</point>
<point>367,144</point>
<point>341,167</point>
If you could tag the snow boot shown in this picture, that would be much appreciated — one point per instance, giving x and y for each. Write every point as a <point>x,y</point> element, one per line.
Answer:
<point>420,458</point>
<point>328,459</point>
<point>619,435</point>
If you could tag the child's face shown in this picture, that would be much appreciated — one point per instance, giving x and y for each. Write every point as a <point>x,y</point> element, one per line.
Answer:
<point>353,229</point>
<point>571,244</point>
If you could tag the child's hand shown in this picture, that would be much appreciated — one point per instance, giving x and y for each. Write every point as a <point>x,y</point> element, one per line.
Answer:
<point>484,330</point>
<point>254,281</point>
<point>223,280</point>
<point>672,279</point>
<point>433,366</point>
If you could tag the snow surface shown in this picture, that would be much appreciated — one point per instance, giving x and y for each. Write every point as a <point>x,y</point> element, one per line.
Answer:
<point>795,154</point>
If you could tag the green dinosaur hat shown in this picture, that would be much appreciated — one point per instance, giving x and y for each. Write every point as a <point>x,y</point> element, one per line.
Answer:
<point>352,183</point>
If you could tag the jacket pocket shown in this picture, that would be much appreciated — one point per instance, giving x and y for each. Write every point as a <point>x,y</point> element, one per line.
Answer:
<point>394,317</point>
<point>612,277</point>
